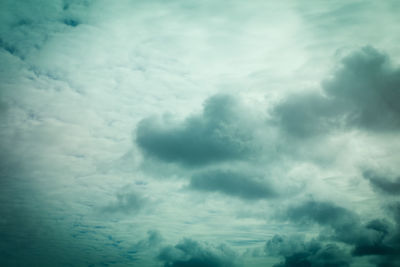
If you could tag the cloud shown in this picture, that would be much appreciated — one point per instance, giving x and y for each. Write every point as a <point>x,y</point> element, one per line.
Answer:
<point>27,26</point>
<point>154,238</point>
<point>341,220</point>
<point>362,93</point>
<point>232,183</point>
<point>190,253</point>
<point>77,73</point>
<point>71,22</point>
<point>378,237</point>
<point>152,241</point>
<point>383,184</point>
<point>366,86</point>
<point>216,135</point>
<point>303,115</point>
<point>127,202</point>
<point>298,252</point>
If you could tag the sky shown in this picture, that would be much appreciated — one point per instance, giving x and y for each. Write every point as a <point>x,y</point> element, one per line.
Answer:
<point>199,133</point>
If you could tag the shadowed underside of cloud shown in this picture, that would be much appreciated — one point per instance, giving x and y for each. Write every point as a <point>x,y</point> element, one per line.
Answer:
<point>298,252</point>
<point>189,253</point>
<point>233,184</point>
<point>215,135</point>
<point>363,93</point>
<point>382,183</point>
<point>378,237</point>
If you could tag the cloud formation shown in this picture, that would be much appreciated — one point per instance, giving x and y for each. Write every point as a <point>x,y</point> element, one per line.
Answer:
<point>232,183</point>
<point>190,253</point>
<point>377,237</point>
<point>152,241</point>
<point>363,94</point>
<point>341,220</point>
<point>214,136</point>
<point>383,184</point>
<point>75,75</point>
<point>298,252</point>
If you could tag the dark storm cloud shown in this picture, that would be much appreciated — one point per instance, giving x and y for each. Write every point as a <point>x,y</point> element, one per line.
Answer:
<point>189,253</point>
<point>363,93</point>
<point>383,183</point>
<point>232,183</point>
<point>298,252</point>
<point>215,135</point>
<point>378,237</point>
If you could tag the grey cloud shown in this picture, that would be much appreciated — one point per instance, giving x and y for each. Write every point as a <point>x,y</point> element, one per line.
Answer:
<point>363,93</point>
<point>303,115</point>
<point>298,252</point>
<point>7,47</point>
<point>378,237</point>
<point>367,86</point>
<point>216,135</point>
<point>233,184</point>
<point>71,22</point>
<point>382,183</point>
<point>340,219</point>
<point>190,253</point>
<point>390,253</point>
<point>153,241</point>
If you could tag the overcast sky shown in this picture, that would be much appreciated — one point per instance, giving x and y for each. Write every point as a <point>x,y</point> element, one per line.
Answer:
<point>199,133</point>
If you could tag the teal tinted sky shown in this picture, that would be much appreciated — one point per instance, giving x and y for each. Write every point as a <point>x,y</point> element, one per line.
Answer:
<point>199,133</point>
